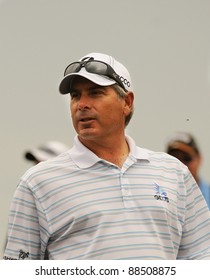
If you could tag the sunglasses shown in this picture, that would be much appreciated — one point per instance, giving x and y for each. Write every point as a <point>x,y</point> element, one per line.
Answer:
<point>95,67</point>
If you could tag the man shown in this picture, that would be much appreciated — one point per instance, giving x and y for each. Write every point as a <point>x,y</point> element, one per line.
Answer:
<point>106,198</point>
<point>183,146</point>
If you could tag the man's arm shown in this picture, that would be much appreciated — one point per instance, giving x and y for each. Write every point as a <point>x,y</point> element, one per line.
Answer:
<point>24,234</point>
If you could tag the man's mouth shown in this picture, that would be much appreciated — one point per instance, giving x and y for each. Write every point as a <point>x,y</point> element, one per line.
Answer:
<point>86,119</point>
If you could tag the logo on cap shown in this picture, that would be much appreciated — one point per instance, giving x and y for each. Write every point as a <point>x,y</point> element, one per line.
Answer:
<point>125,81</point>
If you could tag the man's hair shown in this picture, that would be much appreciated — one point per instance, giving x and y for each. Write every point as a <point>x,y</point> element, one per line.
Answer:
<point>122,93</point>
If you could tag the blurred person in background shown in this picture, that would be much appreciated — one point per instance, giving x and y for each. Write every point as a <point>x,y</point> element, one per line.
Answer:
<point>184,147</point>
<point>46,151</point>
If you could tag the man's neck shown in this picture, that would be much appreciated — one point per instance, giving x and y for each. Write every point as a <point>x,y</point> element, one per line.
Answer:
<point>114,150</point>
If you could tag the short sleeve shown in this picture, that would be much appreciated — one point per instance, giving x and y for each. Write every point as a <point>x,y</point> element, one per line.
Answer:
<point>27,226</point>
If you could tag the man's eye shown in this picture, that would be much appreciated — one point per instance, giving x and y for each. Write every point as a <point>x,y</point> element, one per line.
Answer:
<point>74,94</point>
<point>96,92</point>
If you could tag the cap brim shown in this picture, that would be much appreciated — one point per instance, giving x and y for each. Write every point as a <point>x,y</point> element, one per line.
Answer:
<point>65,84</point>
<point>181,147</point>
<point>38,155</point>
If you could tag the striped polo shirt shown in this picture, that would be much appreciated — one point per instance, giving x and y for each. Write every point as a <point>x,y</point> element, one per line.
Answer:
<point>79,206</point>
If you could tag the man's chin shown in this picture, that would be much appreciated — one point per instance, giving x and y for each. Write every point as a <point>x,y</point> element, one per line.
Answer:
<point>87,134</point>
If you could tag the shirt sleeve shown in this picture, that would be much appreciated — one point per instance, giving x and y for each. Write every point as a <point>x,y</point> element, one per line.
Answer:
<point>195,240</point>
<point>27,226</point>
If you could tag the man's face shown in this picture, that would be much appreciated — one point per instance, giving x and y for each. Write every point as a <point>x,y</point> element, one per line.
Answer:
<point>192,161</point>
<point>97,112</point>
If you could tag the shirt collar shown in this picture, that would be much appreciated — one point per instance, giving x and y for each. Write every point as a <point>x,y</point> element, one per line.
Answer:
<point>84,158</point>
<point>135,151</point>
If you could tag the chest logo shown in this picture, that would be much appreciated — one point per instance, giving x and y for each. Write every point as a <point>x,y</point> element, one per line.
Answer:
<point>160,194</point>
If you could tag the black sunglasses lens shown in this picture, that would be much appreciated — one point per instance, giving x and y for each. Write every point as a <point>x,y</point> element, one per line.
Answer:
<point>72,68</point>
<point>101,68</point>
<point>96,67</point>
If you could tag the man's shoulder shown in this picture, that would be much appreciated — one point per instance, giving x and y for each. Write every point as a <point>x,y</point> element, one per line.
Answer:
<point>49,166</point>
<point>156,154</point>
<point>162,159</point>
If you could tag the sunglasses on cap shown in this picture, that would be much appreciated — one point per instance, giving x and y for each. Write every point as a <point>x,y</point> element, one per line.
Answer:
<point>95,67</point>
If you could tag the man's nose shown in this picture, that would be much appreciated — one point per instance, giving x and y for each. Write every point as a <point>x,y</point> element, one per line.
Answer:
<point>84,103</point>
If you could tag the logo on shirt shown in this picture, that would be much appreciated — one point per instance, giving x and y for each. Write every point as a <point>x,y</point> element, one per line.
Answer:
<point>160,194</point>
<point>23,255</point>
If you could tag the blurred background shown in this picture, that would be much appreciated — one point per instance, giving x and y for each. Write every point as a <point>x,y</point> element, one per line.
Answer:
<point>165,44</point>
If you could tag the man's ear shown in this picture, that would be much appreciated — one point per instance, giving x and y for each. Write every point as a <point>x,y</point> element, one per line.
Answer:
<point>129,99</point>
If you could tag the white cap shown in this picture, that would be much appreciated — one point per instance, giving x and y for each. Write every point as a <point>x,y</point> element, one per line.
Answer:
<point>101,80</point>
<point>47,151</point>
